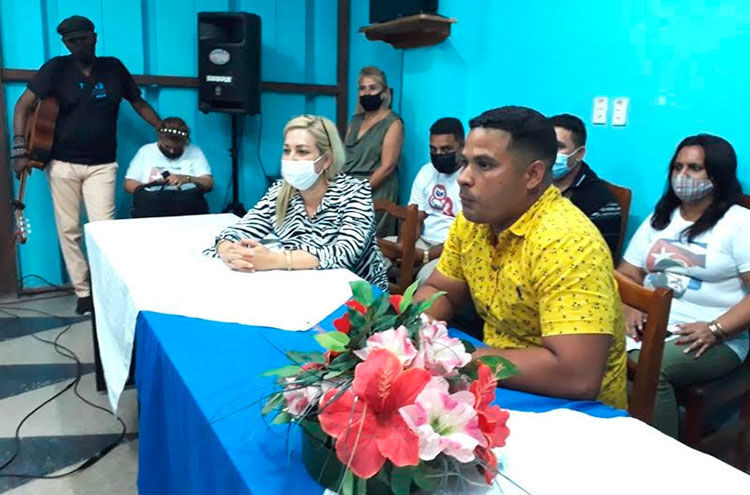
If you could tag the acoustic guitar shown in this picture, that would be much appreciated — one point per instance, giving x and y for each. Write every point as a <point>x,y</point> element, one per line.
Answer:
<point>40,133</point>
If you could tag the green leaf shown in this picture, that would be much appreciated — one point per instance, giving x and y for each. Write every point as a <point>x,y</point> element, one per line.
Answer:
<point>426,304</point>
<point>426,478</point>
<point>299,357</point>
<point>384,323</point>
<point>284,371</point>
<point>380,306</point>
<point>501,367</point>
<point>401,480</point>
<point>358,321</point>
<point>470,348</point>
<point>272,403</point>
<point>362,292</point>
<point>347,484</point>
<point>333,341</point>
<point>282,418</point>
<point>333,374</point>
<point>343,362</point>
<point>408,296</point>
<point>361,486</point>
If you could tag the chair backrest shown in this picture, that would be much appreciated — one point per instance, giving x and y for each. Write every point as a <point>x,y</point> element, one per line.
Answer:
<point>744,201</point>
<point>623,196</point>
<point>645,373</point>
<point>401,253</point>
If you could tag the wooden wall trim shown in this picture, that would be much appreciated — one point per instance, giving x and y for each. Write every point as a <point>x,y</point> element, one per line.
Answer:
<point>25,75</point>
<point>8,268</point>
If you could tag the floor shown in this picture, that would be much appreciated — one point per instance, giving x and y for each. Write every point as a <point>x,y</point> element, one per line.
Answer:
<point>67,431</point>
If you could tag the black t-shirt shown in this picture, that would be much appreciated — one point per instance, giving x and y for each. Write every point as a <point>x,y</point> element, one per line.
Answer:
<point>590,194</point>
<point>86,130</point>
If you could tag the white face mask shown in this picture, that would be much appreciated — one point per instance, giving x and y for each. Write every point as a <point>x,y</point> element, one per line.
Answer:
<point>300,174</point>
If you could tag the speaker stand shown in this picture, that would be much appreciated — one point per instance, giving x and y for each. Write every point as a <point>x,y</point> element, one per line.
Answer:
<point>234,152</point>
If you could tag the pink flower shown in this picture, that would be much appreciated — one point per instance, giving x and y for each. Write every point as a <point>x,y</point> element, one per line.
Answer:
<point>444,422</point>
<point>395,340</point>
<point>299,399</point>
<point>439,354</point>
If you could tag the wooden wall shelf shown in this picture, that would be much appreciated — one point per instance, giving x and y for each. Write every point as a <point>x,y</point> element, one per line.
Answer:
<point>410,32</point>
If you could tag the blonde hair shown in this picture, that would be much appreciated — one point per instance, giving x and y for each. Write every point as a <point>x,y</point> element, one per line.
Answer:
<point>327,140</point>
<point>379,76</point>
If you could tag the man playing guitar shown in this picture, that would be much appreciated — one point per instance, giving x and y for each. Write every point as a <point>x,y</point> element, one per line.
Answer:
<point>83,165</point>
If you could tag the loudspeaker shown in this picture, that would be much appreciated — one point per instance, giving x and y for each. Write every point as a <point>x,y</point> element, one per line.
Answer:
<point>229,62</point>
<point>387,10</point>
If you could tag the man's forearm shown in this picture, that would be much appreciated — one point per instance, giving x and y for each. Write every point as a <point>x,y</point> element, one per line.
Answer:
<point>147,113</point>
<point>543,373</point>
<point>442,309</point>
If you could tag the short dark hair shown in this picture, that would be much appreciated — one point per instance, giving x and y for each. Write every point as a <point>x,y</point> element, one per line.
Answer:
<point>531,132</point>
<point>721,167</point>
<point>448,125</point>
<point>572,123</point>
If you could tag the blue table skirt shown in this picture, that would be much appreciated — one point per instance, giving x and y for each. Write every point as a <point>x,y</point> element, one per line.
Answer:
<point>200,392</point>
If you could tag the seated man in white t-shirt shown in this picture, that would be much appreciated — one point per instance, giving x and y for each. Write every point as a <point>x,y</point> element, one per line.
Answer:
<point>172,153</point>
<point>435,192</point>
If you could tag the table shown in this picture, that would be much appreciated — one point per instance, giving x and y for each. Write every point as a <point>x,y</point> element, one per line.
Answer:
<point>157,264</point>
<point>201,432</point>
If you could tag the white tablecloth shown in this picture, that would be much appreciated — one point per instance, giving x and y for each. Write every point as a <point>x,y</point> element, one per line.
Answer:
<point>564,452</point>
<point>156,264</point>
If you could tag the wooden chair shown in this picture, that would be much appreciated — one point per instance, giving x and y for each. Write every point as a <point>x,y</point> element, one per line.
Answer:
<point>645,373</point>
<point>700,399</point>
<point>623,196</point>
<point>401,253</point>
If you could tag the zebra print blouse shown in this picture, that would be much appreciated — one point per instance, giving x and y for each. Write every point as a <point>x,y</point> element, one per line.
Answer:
<point>340,234</point>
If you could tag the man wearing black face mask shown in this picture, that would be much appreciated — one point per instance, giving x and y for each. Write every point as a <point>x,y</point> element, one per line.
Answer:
<point>172,153</point>
<point>83,165</point>
<point>435,191</point>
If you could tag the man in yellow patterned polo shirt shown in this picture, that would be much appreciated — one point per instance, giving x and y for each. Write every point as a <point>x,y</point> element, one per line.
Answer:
<point>538,271</point>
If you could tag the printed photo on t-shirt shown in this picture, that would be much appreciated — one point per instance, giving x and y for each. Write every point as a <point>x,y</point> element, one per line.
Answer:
<point>669,263</point>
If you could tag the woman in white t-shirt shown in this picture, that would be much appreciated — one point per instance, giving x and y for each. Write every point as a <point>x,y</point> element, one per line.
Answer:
<point>696,242</point>
<point>173,153</point>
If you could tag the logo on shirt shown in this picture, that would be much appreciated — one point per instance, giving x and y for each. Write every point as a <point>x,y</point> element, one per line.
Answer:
<point>440,201</point>
<point>669,263</point>
<point>99,91</point>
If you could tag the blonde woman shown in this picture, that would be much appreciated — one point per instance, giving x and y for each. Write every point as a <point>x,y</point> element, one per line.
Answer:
<point>323,218</point>
<point>374,141</point>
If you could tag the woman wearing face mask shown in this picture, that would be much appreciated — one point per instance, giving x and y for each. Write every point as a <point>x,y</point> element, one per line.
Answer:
<point>696,242</point>
<point>323,218</point>
<point>173,153</point>
<point>374,141</point>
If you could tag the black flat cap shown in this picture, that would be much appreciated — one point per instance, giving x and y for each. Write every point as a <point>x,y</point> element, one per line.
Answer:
<point>75,24</point>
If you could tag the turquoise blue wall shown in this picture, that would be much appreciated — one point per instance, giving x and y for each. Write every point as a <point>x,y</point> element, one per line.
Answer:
<point>160,37</point>
<point>683,63</point>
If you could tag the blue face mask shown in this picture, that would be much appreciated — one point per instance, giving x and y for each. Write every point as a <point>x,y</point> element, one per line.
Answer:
<point>560,168</point>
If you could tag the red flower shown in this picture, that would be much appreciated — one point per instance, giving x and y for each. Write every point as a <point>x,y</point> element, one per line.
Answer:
<point>492,420</point>
<point>396,302</point>
<point>365,419</point>
<point>356,305</point>
<point>343,324</point>
<point>488,463</point>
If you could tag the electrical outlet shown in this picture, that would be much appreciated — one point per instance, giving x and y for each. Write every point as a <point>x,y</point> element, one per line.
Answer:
<point>601,106</point>
<point>620,111</point>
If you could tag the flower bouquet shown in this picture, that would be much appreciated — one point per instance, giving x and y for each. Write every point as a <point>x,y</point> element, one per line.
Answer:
<point>393,404</point>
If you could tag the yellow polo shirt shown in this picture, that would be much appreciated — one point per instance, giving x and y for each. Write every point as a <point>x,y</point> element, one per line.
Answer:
<point>550,273</point>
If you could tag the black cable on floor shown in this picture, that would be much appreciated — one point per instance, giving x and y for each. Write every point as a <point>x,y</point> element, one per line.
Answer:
<point>68,353</point>
<point>55,286</point>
